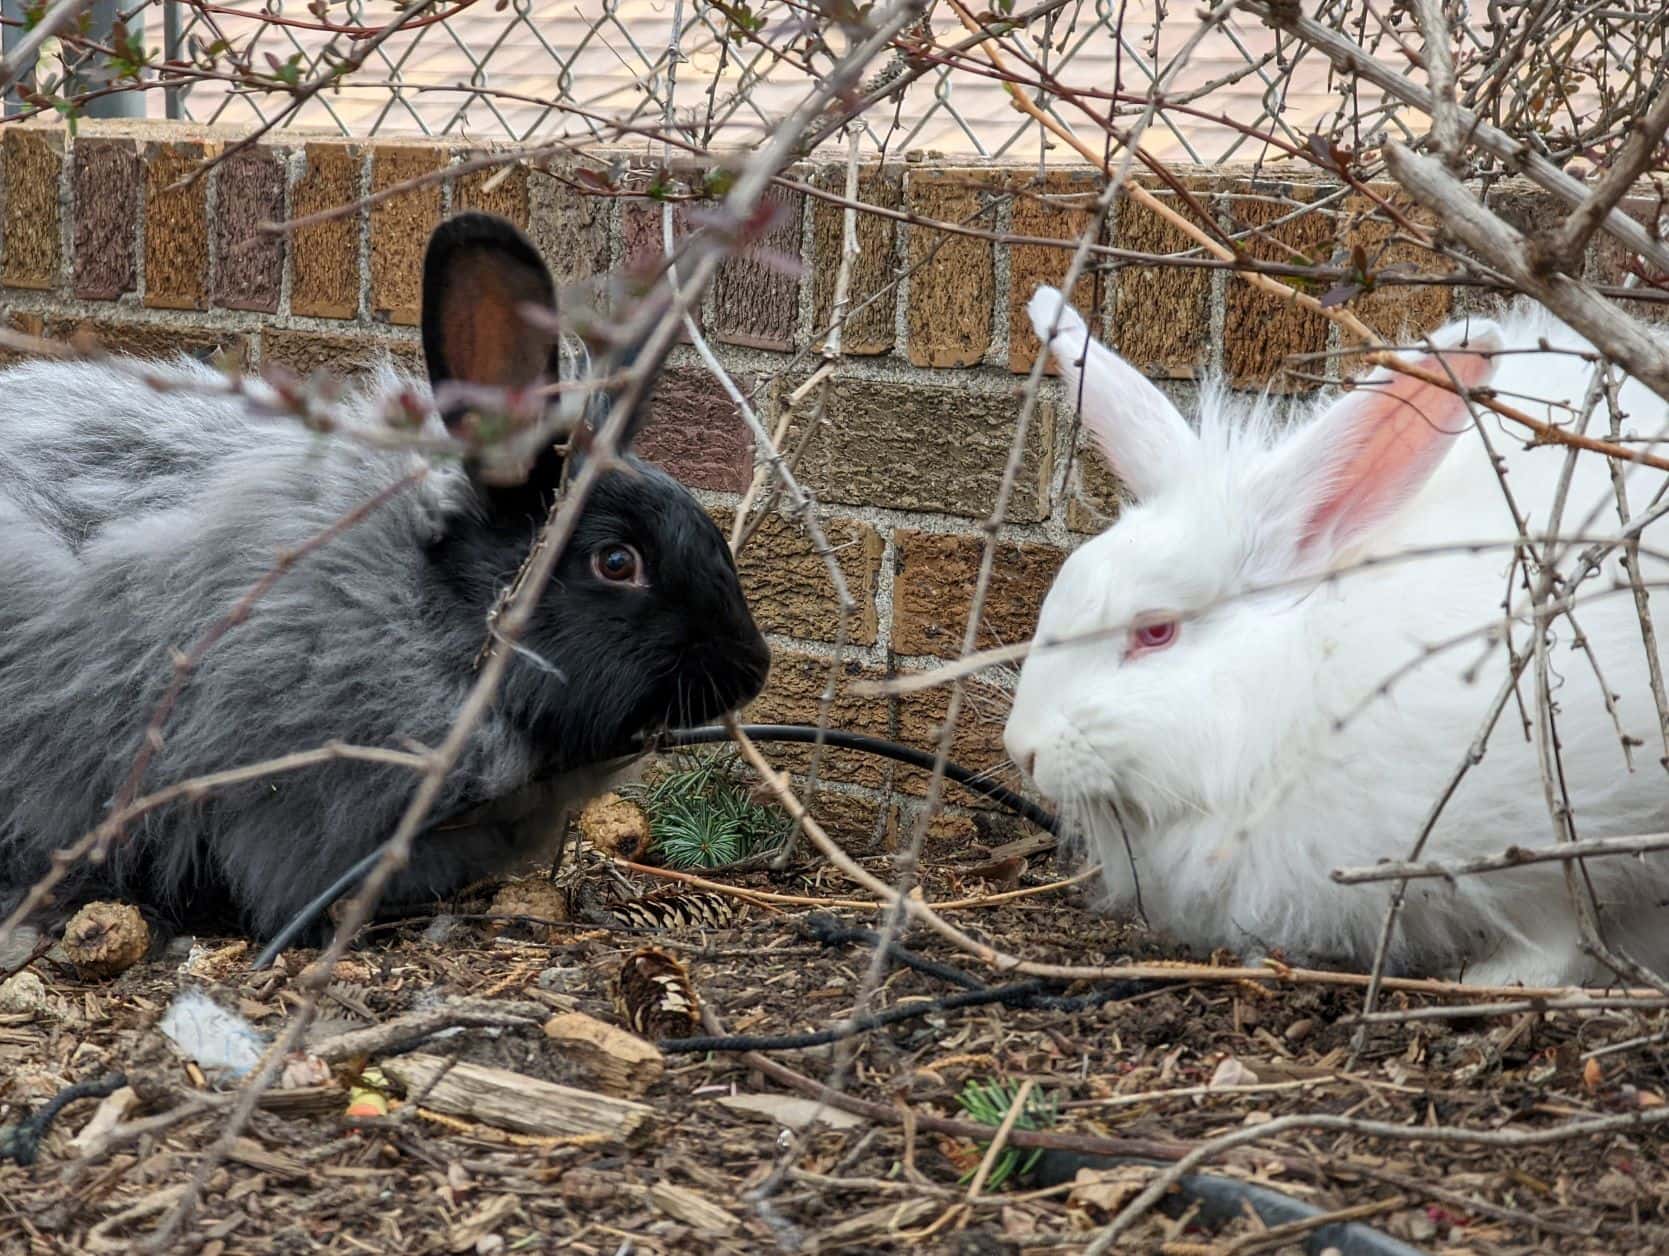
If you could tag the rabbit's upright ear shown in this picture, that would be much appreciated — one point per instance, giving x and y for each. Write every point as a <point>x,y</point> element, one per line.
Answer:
<point>481,276</point>
<point>1136,427</point>
<point>1373,450</point>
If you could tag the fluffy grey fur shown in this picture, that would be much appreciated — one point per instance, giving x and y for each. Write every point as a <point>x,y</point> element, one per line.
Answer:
<point>134,519</point>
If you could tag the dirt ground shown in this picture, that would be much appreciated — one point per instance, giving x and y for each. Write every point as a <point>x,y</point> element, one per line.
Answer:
<point>713,1166</point>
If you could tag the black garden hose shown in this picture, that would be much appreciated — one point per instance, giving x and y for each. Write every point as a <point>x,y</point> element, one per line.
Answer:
<point>806,734</point>
<point>1223,1199</point>
<point>708,733</point>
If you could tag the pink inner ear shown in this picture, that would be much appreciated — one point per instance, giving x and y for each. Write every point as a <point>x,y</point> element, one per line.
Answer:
<point>1383,442</point>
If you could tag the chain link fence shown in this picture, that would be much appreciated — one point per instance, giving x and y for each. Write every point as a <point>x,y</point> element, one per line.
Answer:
<point>724,73</point>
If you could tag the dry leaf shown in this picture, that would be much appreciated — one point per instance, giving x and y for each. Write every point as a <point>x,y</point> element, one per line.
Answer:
<point>790,1110</point>
<point>1105,1191</point>
<point>1231,1072</point>
<point>1593,1074</point>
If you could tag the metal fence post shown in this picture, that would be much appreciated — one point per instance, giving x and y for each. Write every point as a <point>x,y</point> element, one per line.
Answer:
<point>10,36</point>
<point>171,52</point>
<point>123,104</point>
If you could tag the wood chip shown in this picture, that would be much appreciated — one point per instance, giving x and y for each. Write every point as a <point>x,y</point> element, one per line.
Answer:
<point>619,1063</point>
<point>692,1209</point>
<point>482,1222</point>
<point>514,1101</point>
<point>790,1110</point>
<point>113,1109</point>
<point>246,1151</point>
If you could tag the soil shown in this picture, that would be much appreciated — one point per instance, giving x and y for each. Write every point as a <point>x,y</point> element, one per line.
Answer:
<point>1167,1063</point>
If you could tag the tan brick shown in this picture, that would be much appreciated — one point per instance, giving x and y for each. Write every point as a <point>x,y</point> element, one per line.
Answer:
<point>570,228</point>
<point>1399,311</point>
<point>34,165</point>
<point>1263,333</point>
<point>871,329</point>
<point>1062,207</point>
<point>508,198</point>
<point>954,833</point>
<point>927,447</point>
<point>26,324</point>
<point>344,355</point>
<point>977,744</point>
<point>1162,314</point>
<point>1094,495</point>
<point>400,229</point>
<point>787,582</point>
<point>953,279</point>
<point>855,820</point>
<point>1611,262</point>
<point>324,258</point>
<point>934,583</point>
<point>791,696</point>
<point>176,226</point>
<point>155,341</point>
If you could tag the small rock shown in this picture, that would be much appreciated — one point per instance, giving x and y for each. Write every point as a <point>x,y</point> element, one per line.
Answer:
<point>23,992</point>
<point>1299,1030</point>
<point>106,939</point>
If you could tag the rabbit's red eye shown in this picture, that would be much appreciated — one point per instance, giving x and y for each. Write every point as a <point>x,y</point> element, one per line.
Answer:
<point>1156,635</point>
<point>618,564</point>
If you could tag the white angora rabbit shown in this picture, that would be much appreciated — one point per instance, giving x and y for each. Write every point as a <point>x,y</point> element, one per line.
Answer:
<point>1243,704</point>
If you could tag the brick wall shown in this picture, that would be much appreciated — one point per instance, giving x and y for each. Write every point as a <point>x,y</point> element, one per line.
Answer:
<point>97,236</point>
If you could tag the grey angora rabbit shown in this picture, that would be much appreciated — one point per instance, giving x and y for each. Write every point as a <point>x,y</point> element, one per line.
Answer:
<point>135,518</point>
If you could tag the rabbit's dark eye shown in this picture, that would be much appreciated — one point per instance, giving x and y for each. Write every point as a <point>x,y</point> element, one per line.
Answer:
<point>618,564</point>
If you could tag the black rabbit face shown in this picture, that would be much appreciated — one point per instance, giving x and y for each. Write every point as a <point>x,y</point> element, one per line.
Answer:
<point>643,625</point>
<point>644,622</point>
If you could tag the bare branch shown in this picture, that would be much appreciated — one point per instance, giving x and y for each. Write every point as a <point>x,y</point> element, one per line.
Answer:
<point>1512,857</point>
<point>1503,246</point>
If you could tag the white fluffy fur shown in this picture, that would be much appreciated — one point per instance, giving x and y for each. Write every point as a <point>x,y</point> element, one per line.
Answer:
<point>1223,754</point>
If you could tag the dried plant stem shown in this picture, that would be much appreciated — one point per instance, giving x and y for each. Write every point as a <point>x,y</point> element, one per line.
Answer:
<point>1506,248</point>
<point>1354,60</point>
<point>1512,857</point>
